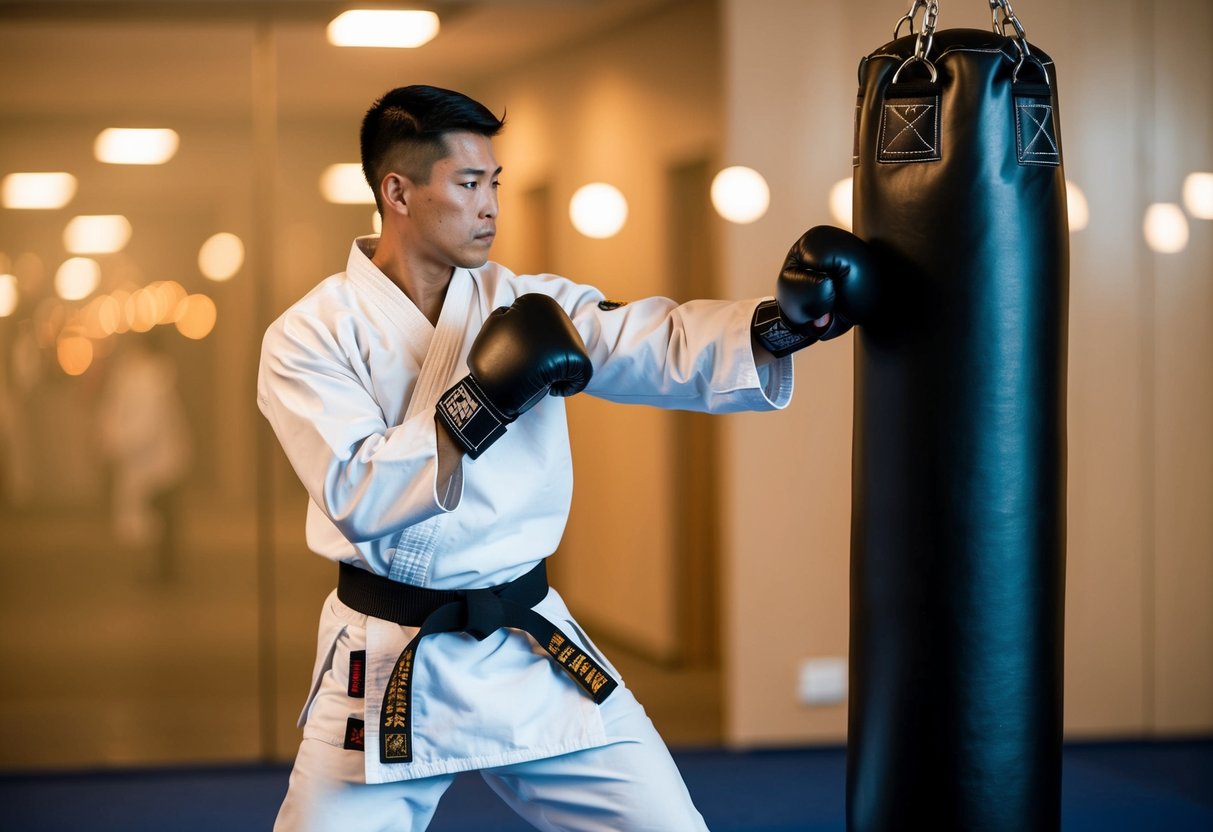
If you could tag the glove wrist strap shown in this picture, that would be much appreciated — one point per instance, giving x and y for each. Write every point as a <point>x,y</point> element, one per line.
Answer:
<point>470,417</point>
<point>774,334</point>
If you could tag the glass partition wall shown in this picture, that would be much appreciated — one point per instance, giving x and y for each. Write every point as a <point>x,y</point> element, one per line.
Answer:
<point>158,603</point>
<point>156,576</point>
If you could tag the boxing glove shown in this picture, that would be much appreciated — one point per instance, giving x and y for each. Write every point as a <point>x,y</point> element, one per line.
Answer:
<point>828,271</point>
<point>521,354</point>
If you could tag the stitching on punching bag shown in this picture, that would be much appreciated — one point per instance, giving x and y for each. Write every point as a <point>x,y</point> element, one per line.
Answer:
<point>909,131</point>
<point>1035,139</point>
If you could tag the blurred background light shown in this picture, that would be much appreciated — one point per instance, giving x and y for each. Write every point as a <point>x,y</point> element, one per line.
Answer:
<point>740,194</point>
<point>1198,195</point>
<point>842,202</point>
<point>135,145</point>
<point>103,316</point>
<point>400,29</point>
<point>1166,228</point>
<point>44,191</point>
<point>221,256</point>
<point>196,315</point>
<point>598,210</point>
<point>1079,212</point>
<point>344,184</point>
<point>77,278</point>
<point>75,354</point>
<point>97,234</point>
<point>8,295</point>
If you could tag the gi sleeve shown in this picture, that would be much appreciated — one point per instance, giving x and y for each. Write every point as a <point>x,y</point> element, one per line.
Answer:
<point>369,478</point>
<point>690,356</point>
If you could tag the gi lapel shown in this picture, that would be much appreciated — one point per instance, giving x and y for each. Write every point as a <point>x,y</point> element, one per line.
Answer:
<point>415,549</point>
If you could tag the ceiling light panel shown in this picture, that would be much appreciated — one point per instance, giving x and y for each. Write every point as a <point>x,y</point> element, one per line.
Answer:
<point>399,29</point>
<point>135,145</point>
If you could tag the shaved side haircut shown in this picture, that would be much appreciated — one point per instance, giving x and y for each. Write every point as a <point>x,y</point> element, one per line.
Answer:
<point>404,131</point>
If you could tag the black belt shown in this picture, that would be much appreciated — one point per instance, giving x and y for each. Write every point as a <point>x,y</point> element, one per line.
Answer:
<point>479,612</point>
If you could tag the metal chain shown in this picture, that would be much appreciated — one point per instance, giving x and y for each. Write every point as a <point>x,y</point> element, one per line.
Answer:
<point>930,20</point>
<point>1001,14</point>
<point>1008,16</point>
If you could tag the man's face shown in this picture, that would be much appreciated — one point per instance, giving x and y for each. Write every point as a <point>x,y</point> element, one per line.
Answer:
<point>454,215</point>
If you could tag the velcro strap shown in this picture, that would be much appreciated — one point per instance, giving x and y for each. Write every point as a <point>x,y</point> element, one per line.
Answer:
<point>769,328</point>
<point>473,420</point>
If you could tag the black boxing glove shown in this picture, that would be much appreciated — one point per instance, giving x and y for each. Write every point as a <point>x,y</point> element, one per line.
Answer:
<point>828,271</point>
<point>521,354</point>
<point>843,261</point>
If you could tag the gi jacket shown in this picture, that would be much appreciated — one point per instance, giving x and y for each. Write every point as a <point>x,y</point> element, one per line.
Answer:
<point>349,378</point>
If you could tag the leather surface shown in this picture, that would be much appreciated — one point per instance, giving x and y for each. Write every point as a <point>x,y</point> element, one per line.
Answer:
<point>958,506</point>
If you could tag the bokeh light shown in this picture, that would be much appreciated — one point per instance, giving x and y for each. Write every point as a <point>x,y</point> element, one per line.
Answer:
<point>1166,228</point>
<point>75,354</point>
<point>399,29</point>
<point>135,145</point>
<point>77,278</point>
<point>40,191</point>
<point>97,234</point>
<point>8,295</point>
<point>740,194</point>
<point>196,315</point>
<point>221,256</point>
<point>1077,209</point>
<point>842,203</point>
<point>344,184</point>
<point>1198,195</point>
<point>598,210</point>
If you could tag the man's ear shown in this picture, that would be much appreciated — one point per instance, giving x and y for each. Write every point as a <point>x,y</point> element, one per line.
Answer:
<point>394,192</point>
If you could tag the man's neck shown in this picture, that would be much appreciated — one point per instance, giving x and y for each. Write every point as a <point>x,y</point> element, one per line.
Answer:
<point>425,284</point>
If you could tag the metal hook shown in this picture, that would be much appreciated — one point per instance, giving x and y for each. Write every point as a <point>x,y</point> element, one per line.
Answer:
<point>908,17</point>
<point>913,59</point>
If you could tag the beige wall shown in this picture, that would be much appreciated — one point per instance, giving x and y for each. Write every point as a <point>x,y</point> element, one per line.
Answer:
<point>1136,117</point>
<point>621,108</point>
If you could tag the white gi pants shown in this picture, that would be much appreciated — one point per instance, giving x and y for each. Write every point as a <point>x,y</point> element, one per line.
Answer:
<point>629,786</point>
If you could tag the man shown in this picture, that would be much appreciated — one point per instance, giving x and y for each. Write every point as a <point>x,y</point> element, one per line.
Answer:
<point>418,397</point>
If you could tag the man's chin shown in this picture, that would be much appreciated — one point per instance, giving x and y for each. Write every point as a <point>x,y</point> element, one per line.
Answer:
<point>473,261</point>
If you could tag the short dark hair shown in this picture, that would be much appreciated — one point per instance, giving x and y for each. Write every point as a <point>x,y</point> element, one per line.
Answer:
<point>405,129</point>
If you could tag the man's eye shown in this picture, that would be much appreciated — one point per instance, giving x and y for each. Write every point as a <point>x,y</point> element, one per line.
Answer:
<point>496,184</point>
<point>471,186</point>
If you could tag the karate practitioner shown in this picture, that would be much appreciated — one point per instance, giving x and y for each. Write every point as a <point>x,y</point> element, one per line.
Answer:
<point>418,396</point>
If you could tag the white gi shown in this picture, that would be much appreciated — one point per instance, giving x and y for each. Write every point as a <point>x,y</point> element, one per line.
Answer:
<point>349,378</point>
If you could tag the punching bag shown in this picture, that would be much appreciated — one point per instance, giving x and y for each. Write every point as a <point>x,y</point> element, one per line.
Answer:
<point>958,522</point>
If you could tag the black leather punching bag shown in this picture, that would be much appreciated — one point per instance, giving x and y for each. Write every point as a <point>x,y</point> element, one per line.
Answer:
<point>958,507</point>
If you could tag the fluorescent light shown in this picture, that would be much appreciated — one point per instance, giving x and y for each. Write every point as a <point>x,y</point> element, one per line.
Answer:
<point>135,145</point>
<point>344,184</point>
<point>383,27</point>
<point>740,194</point>
<point>1166,228</point>
<point>38,190</point>
<point>97,234</point>
<point>598,210</point>
<point>1198,195</point>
